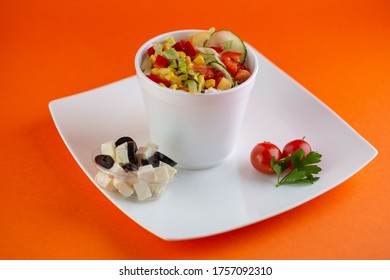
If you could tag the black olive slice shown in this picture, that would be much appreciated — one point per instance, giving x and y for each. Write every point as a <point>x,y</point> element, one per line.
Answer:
<point>131,150</point>
<point>165,159</point>
<point>130,167</point>
<point>105,161</point>
<point>122,140</point>
<point>153,160</point>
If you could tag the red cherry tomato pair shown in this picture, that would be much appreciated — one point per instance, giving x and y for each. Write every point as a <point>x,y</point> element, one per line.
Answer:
<point>262,153</point>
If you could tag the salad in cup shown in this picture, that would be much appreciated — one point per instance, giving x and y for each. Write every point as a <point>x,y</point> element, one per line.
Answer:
<point>195,86</point>
<point>209,61</point>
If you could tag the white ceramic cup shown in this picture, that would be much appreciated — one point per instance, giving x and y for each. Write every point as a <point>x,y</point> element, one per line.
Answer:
<point>197,131</point>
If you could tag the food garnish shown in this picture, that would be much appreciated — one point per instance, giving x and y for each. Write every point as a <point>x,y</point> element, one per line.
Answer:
<point>297,164</point>
<point>297,168</point>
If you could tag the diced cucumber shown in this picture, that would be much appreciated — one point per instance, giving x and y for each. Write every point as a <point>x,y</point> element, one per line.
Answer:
<point>226,73</point>
<point>198,39</point>
<point>221,37</point>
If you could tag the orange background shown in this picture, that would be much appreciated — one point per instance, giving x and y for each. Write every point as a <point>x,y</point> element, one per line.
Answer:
<point>339,50</point>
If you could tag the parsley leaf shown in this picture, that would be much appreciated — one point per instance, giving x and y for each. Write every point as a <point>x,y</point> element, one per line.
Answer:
<point>297,168</point>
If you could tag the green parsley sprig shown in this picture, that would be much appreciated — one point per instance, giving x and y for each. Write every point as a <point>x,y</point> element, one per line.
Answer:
<point>302,168</point>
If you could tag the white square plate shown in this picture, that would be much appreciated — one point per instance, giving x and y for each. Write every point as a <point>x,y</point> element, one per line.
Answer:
<point>232,195</point>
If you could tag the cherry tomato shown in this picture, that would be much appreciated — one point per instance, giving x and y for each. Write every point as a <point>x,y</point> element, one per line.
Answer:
<point>296,145</point>
<point>262,154</point>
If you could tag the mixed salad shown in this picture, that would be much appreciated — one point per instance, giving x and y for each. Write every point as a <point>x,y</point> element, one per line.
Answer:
<point>208,61</point>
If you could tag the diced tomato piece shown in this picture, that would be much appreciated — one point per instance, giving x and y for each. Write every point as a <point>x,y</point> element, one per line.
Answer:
<point>161,62</point>
<point>233,55</point>
<point>150,51</point>
<point>184,88</point>
<point>242,75</point>
<point>217,49</point>
<point>231,66</point>
<point>158,80</point>
<point>206,71</point>
<point>218,77</point>
<point>231,61</point>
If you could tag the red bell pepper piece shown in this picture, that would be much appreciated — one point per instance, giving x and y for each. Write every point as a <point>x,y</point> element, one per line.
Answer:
<point>161,62</point>
<point>150,51</point>
<point>189,49</point>
<point>186,47</point>
<point>178,46</point>
<point>158,80</point>
<point>217,49</point>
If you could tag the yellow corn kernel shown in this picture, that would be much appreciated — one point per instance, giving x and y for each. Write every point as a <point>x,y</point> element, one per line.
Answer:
<point>152,59</point>
<point>199,60</point>
<point>155,71</point>
<point>166,46</point>
<point>181,54</point>
<point>169,76</point>
<point>176,80</point>
<point>173,86</point>
<point>188,61</point>
<point>209,83</point>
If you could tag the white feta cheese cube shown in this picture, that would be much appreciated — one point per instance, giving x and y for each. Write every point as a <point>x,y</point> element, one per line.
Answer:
<point>144,153</point>
<point>142,190</point>
<point>162,177</point>
<point>171,170</point>
<point>131,178</point>
<point>146,173</point>
<point>117,169</point>
<point>108,148</point>
<point>152,145</point>
<point>162,174</point>
<point>124,187</point>
<point>105,181</point>
<point>122,146</point>
<point>122,156</point>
